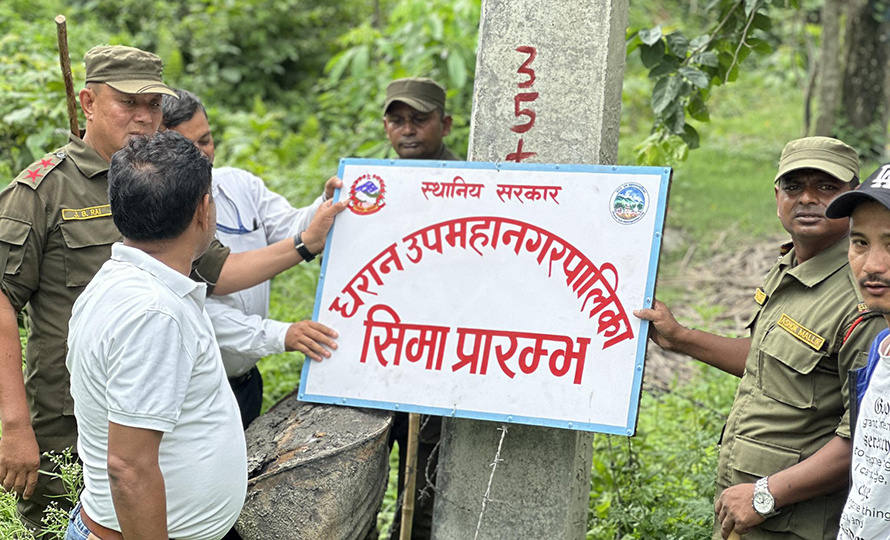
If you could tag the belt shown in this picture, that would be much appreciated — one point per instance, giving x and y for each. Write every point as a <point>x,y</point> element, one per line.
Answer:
<point>103,533</point>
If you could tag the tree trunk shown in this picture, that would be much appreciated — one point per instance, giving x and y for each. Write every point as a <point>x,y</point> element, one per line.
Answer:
<point>829,67</point>
<point>863,99</point>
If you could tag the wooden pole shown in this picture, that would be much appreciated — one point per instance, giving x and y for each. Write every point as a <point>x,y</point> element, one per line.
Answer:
<point>410,477</point>
<point>65,63</point>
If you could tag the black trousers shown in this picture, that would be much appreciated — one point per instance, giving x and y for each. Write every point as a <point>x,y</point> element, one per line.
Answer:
<point>248,390</point>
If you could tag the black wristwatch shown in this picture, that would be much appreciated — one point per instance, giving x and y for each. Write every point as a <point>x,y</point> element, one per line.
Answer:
<point>301,247</point>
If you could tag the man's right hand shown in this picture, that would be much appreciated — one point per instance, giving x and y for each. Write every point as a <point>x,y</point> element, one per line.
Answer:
<point>314,236</point>
<point>310,338</point>
<point>665,330</point>
<point>19,460</point>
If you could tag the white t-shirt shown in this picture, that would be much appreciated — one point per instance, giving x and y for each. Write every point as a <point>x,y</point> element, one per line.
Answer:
<point>867,512</point>
<point>250,216</point>
<point>142,354</point>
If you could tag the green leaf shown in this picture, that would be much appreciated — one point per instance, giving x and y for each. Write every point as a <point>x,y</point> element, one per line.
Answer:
<point>762,22</point>
<point>759,46</point>
<point>664,93</point>
<point>360,61</point>
<point>698,110</point>
<point>651,55</point>
<point>677,44</point>
<point>690,137</point>
<point>707,58</point>
<point>436,27</point>
<point>677,120</point>
<point>650,36</point>
<point>18,115</point>
<point>457,70</point>
<point>697,77</point>
<point>750,5</point>
<point>231,75</point>
<point>668,65</point>
<point>699,41</point>
<point>337,65</point>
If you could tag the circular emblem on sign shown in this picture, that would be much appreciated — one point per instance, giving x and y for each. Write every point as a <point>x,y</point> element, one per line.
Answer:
<point>629,203</point>
<point>366,194</point>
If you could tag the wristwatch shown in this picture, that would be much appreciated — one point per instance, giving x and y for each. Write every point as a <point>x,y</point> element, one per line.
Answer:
<point>301,247</point>
<point>764,502</point>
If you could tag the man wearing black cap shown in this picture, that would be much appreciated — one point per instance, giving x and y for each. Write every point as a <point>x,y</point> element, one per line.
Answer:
<point>866,514</point>
<point>415,121</point>
<point>784,458</point>
<point>56,231</point>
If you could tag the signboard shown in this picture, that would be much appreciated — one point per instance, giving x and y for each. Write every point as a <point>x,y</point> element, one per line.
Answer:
<point>491,291</point>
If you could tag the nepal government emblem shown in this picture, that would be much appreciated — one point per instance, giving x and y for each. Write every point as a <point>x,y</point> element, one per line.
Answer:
<point>629,203</point>
<point>366,195</point>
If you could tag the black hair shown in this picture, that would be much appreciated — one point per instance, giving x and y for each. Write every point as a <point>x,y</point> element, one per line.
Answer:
<point>155,185</point>
<point>178,111</point>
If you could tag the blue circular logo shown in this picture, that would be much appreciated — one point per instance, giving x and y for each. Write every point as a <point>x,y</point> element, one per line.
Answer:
<point>629,203</point>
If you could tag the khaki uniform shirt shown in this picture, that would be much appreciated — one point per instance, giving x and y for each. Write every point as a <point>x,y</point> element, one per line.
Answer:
<point>793,396</point>
<point>56,231</point>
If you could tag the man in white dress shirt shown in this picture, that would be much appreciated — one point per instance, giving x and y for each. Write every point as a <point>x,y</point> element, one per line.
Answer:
<point>159,433</point>
<point>249,216</point>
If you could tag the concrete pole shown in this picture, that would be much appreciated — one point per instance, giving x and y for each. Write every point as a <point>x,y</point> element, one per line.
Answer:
<point>548,90</point>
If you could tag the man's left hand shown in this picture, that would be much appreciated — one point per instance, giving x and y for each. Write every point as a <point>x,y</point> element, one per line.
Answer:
<point>735,510</point>
<point>332,184</point>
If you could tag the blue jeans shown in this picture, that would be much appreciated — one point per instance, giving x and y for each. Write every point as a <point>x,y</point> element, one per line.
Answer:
<point>77,529</point>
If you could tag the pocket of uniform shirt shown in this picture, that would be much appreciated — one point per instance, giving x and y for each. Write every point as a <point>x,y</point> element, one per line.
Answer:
<point>88,244</point>
<point>752,460</point>
<point>13,233</point>
<point>785,365</point>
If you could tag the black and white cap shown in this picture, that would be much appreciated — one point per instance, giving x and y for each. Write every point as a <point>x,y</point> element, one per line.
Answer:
<point>875,188</point>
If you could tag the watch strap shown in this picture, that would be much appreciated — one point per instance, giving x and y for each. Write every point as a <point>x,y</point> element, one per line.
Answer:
<point>301,248</point>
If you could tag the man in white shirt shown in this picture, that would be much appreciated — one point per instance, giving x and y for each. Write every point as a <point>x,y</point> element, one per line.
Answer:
<point>159,433</point>
<point>249,216</point>
<point>866,514</point>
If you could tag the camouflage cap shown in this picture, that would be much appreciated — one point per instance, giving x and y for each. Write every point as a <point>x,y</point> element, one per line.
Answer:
<point>422,94</point>
<point>821,153</point>
<point>126,69</point>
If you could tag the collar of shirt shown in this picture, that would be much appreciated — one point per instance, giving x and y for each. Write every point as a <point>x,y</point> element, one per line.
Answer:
<point>813,271</point>
<point>90,163</point>
<point>178,283</point>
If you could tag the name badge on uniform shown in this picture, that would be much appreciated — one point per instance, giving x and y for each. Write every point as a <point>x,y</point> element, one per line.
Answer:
<point>759,296</point>
<point>806,335</point>
<point>93,212</point>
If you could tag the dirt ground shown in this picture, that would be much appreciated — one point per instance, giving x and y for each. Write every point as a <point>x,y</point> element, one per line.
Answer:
<point>716,294</point>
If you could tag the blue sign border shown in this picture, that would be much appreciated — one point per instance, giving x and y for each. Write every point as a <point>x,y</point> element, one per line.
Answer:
<point>661,204</point>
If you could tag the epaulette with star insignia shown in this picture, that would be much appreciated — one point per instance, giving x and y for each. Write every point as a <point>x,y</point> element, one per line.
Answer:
<point>37,171</point>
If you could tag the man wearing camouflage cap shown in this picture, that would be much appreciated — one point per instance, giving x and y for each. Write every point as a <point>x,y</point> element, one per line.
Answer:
<point>415,121</point>
<point>784,460</point>
<point>56,231</point>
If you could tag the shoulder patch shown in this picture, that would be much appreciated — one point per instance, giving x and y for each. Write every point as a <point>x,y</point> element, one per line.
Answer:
<point>861,307</point>
<point>37,171</point>
<point>760,296</point>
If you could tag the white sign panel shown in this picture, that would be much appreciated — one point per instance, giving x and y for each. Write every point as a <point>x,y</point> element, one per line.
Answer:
<point>491,291</point>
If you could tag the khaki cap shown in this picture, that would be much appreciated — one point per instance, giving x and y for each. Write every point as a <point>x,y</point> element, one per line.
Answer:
<point>821,153</point>
<point>422,94</point>
<point>126,69</point>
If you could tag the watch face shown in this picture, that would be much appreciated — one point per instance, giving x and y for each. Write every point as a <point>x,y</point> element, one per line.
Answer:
<point>763,503</point>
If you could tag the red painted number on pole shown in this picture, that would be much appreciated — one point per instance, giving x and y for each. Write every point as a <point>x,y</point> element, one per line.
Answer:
<point>524,69</point>
<point>517,100</point>
<point>524,97</point>
<point>519,155</point>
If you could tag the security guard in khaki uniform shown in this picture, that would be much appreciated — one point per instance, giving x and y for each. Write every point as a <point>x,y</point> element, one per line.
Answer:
<point>56,231</point>
<point>415,122</point>
<point>785,456</point>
